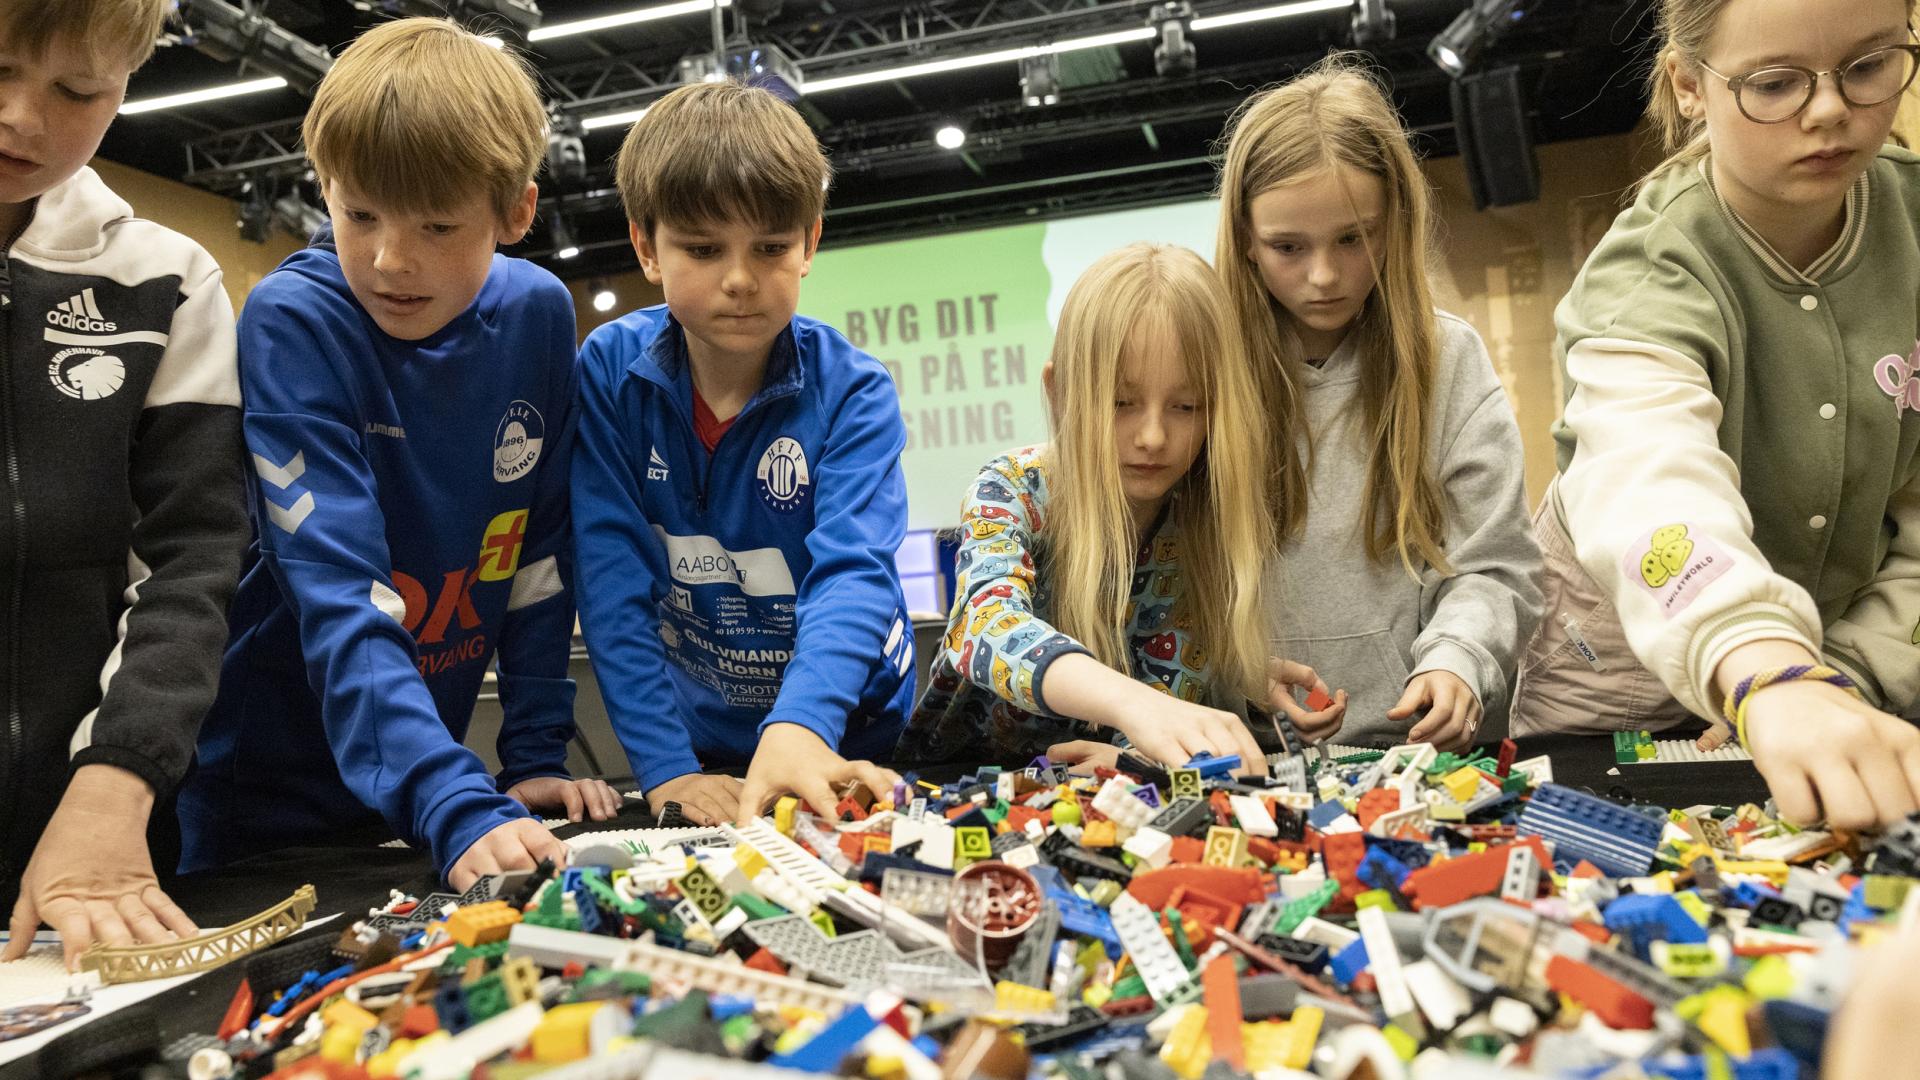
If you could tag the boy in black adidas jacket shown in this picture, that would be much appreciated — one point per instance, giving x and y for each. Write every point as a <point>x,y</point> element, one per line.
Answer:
<point>122,500</point>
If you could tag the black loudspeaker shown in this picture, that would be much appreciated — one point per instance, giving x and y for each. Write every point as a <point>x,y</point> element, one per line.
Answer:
<point>1496,141</point>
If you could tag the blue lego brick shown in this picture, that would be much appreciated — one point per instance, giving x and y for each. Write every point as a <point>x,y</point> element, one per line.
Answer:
<point>1856,908</point>
<point>974,818</point>
<point>1610,836</point>
<point>1747,894</point>
<point>1381,870</point>
<point>1211,766</point>
<point>1325,814</point>
<point>822,1053</point>
<point>1349,962</point>
<point>1410,853</point>
<point>1772,1063</point>
<point>1086,918</point>
<point>727,1006</point>
<point>1645,919</point>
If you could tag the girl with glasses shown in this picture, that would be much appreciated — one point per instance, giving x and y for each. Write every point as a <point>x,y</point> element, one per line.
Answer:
<point>1735,530</point>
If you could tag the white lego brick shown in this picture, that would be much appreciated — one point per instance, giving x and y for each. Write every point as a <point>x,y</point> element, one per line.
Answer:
<point>1538,769</point>
<point>936,844</point>
<point>1383,959</point>
<point>1785,847</point>
<point>1522,879</point>
<point>1140,934</point>
<point>1295,886</point>
<point>1443,1000</point>
<point>1297,801</point>
<point>1389,823</point>
<point>1252,815</point>
<point>1116,800</point>
<point>1514,1018</point>
<point>1345,823</point>
<point>459,1056</point>
<point>1321,932</point>
<point>1151,846</point>
<point>1025,856</point>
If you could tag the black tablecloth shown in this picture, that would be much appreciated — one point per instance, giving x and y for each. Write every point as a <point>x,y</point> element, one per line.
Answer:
<point>351,879</point>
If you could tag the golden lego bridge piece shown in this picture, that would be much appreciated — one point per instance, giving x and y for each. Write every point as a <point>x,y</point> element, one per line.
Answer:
<point>137,963</point>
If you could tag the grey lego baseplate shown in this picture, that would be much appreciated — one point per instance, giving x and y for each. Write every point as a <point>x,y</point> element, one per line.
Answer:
<point>861,961</point>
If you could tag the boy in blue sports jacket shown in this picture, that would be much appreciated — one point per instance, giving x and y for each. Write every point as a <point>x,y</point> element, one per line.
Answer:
<point>408,408</point>
<point>737,493</point>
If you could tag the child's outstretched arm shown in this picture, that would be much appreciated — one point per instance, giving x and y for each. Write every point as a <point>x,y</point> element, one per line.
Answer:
<point>848,612</point>
<point>323,538</point>
<point>1475,621</point>
<point>536,636</point>
<point>619,596</point>
<point>1660,521</point>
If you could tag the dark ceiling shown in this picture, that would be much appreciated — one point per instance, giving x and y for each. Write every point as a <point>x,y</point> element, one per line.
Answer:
<point>1121,135</point>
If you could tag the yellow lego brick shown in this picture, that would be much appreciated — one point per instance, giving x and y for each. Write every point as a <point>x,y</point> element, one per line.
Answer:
<point>1303,1031</point>
<point>1014,997</point>
<point>386,1063</point>
<point>1097,994</point>
<point>1100,834</point>
<point>1404,1045</point>
<point>822,920</point>
<point>520,977</point>
<point>1694,906</point>
<point>1773,870</point>
<point>783,814</point>
<point>564,1032</point>
<point>1379,898</point>
<point>1884,892</point>
<point>749,861</point>
<point>1225,847</point>
<point>481,924</point>
<point>340,1043</point>
<point>884,1067</point>
<point>1770,978</point>
<point>1721,1015</point>
<point>1188,1047</point>
<point>1263,1045</point>
<point>343,1013</point>
<point>1105,892</point>
<point>1462,782</point>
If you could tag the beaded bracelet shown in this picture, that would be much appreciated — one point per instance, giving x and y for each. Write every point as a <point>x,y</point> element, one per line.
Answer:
<point>1736,703</point>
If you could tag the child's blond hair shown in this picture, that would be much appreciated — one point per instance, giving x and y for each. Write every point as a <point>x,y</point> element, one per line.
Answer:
<point>418,115</point>
<point>115,32</point>
<point>1336,114</point>
<point>722,151</point>
<point>1224,535</point>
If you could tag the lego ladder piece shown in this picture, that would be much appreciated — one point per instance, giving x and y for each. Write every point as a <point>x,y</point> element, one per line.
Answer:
<point>137,963</point>
<point>1153,956</point>
<point>557,948</point>
<point>813,878</point>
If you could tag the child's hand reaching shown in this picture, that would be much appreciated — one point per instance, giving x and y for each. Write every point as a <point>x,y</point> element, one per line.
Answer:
<point>1283,677</point>
<point>517,845</point>
<point>705,800</point>
<point>1826,754</point>
<point>577,799</point>
<point>792,758</point>
<point>1453,712</point>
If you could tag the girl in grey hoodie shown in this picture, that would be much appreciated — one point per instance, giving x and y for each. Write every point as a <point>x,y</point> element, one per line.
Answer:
<point>1406,571</point>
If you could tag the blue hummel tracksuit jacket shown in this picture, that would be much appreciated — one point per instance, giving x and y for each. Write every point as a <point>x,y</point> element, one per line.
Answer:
<point>755,585</point>
<point>410,509</point>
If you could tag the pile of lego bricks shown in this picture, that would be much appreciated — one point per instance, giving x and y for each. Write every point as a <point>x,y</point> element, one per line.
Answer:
<point>1386,914</point>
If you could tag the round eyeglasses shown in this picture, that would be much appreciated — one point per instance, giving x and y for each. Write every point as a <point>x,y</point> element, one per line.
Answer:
<point>1771,95</point>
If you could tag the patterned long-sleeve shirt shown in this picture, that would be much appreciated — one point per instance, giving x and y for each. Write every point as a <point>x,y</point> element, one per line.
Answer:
<point>987,694</point>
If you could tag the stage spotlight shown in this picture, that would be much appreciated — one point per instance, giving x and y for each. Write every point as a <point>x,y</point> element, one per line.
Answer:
<point>950,137</point>
<point>564,245</point>
<point>1040,80</point>
<point>1459,46</point>
<point>603,297</point>
<point>1372,23</point>
<point>1173,55</point>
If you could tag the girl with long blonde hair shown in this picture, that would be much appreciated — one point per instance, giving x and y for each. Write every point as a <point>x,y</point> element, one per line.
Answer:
<point>1734,533</point>
<point>1405,570</point>
<point>1109,582</point>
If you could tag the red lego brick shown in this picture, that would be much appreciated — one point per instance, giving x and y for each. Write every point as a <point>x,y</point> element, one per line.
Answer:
<point>1319,700</point>
<point>1018,816</point>
<point>1232,884</point>
<point>764,960</point>
<point>1188,849</point>
<point>1615,1005</point>
<point>1448,882</point>
<point>1375,804</point>
<point>1221,985</point>
<point>1508,750</point>
<point>1344,852</point>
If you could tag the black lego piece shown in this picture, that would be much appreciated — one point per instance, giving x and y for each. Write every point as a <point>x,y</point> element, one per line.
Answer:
<point>1183,817</point>
<point>1081,1021</point>
<point>1145,771</point>
<point>974,818</point>
<point>1082,863</point>
<point>876,864</point>
<point>1778,911</point>
<point>673,817</point>
<point>1310,956</point>
<point>1291,823</point>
